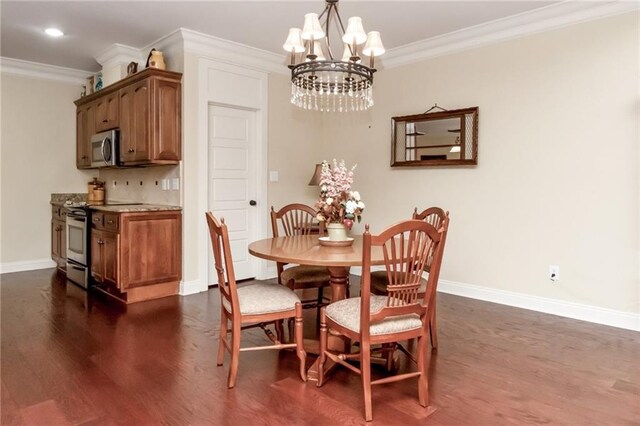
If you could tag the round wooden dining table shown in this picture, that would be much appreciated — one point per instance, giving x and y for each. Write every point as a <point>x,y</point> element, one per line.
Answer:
<point>306,250</point>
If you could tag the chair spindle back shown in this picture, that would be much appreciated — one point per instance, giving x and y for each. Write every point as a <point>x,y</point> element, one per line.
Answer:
<point>408,247</point>
<point>294,219</point>
<point>223,261</point>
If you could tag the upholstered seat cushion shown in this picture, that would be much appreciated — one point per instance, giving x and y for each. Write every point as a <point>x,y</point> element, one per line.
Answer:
<point>379,283</point>
<point>347,314</point>
<point>263,298</point>
<point>307,276</point>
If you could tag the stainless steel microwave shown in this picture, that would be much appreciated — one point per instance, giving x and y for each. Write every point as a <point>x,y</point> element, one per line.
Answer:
<point>103,149</point>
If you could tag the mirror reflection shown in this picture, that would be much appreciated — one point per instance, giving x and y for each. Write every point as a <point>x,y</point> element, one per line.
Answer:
<point>438,138</point>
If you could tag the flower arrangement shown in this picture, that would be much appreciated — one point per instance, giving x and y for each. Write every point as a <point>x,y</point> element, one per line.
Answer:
<point>338,203</point>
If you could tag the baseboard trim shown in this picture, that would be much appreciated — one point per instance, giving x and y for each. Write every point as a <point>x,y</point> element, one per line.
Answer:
<point>26,265</point>
<point>191,287</point>
<point>595,314</point>
<point>589,313</point>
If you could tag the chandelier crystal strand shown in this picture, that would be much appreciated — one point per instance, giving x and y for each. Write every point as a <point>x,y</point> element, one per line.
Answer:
<point>327,84</point>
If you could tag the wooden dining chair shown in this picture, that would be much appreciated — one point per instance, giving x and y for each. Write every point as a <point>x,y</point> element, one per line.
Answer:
<point>252,305</point>
<point>300,219</point>
<point>399,315</point>
<point>434,216</point>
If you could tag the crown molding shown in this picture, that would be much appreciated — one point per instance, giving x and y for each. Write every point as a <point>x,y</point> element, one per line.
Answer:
<point>536,21</point>
<point>43,71</point>
<point>119,54</point>
<point>185,40</point>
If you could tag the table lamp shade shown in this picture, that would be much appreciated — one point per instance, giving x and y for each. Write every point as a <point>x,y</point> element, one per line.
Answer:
<point>315,179</point>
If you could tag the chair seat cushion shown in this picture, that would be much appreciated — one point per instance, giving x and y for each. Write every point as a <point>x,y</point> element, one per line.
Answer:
<point>263,298</point>
<point>379,283</point>
<point>347,314</point>
<point>306,276</point>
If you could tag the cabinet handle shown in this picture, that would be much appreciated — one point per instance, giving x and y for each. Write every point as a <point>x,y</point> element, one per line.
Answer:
<point>105,121</point>
<point>96,220</point>
<point>131,150</point>
<point>84,157</point>
<point>110,222</point>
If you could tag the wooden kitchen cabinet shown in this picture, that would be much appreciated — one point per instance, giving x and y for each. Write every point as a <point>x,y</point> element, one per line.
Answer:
<point>147,108</point>
<point>104,257</point>
<point>137,256</point>
<point>85,128</point>
<point>106,116</point>
<point>59,238</point>
<point>135,127</point>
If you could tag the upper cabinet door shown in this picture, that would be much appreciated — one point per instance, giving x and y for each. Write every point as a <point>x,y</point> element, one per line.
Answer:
<point>135,123</point>
<point>107,112</point>
<point>85,128</point>
<point>167,140</point>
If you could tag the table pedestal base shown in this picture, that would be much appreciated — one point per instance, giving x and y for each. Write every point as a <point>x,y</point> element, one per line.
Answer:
<point>335,342</point>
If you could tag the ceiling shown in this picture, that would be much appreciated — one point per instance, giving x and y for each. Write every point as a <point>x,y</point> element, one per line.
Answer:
<point>92,26</point>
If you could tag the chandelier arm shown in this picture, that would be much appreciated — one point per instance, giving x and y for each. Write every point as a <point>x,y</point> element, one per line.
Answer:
<point>326,26</point>
<point>341,28</point>
<point>326,7</point>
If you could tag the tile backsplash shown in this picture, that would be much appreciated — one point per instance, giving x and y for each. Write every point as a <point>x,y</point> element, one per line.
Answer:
<point>143,185</point>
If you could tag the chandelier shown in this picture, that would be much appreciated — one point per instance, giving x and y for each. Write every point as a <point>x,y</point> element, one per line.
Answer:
<point>318,80</point>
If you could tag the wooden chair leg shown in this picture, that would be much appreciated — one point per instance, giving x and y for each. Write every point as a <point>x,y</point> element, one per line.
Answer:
<point>279,326</point>
<point>290,327</point>
<point>365,368</point>
<point>302,355</point>
<point>389,355</point>
<point>235,353</point>
<point>433,333</point>
<point>423,381</point>
<point>319,301</point>
<point>224,323</point>
<point>323,346</point>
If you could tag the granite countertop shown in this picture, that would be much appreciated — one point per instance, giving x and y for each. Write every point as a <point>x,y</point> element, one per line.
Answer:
<point>132,208</point>
<point>59,199</point>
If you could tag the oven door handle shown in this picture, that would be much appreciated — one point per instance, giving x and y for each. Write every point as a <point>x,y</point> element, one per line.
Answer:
<point>76,217</point>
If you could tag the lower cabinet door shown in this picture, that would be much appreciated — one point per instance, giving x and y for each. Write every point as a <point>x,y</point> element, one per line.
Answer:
<point>151,249</point>
<point>97,257</point>
<point>55,241</point>
<point>111,252</point>
<point>62,262</point>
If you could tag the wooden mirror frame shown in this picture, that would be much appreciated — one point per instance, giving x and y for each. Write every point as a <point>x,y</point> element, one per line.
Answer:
<point>466,140</point>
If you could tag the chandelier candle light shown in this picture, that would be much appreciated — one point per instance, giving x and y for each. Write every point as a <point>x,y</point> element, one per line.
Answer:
<point>323,83</point>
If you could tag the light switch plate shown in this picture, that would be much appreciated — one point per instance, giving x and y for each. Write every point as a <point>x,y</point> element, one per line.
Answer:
<point>274,176</point>
<point>175,184</point>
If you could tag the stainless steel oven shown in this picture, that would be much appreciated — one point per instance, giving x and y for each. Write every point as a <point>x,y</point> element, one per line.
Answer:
<point>77,246</point>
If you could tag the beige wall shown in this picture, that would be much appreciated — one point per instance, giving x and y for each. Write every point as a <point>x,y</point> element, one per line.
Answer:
<point>294,146</point>
<point>557,180</point>
<point>37,158</point>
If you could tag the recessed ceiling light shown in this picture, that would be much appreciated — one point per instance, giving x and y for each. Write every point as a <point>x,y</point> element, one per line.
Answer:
<point>54,32</point>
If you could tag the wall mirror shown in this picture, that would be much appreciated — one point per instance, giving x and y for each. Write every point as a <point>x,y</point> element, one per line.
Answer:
<point>442,138</point>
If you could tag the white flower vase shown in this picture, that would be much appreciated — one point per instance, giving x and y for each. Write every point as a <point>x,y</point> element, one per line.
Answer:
<point>337,232</point>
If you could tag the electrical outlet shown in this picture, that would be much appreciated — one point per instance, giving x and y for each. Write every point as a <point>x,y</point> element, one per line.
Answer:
<point>273,176</point>
<point>554,272</point>
<point>165,184</point>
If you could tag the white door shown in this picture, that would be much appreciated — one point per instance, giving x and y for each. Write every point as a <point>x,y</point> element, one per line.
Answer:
<point>233,183</point>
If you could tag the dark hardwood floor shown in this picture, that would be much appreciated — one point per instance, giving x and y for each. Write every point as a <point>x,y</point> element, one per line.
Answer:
<point>154,363</point>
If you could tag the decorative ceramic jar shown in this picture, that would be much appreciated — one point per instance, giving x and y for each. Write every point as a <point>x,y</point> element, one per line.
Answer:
<point>337,232</point>
<point>156,60</point>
